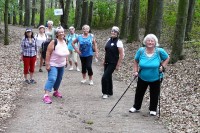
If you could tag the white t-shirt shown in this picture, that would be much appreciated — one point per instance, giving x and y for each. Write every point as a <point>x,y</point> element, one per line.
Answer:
<point>40,39</point>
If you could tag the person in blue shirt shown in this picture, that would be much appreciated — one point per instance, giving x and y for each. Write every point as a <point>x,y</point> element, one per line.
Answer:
<point>73,55</point>
<point>149,63</point>
<point>86,43</point>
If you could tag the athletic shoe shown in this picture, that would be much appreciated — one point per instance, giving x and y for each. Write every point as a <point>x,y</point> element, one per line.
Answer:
<point>133,110</point>
<point>83,81</point>
<point>57,94</point>
<point>77,69</point>
<point>46,99</point>
<point>27,81</point>
<point>32,81</point>
<point>71,68</point>
<point>91,82</point>
<point>153,113</point>
<point>40,70</point>
<point>105,96</point>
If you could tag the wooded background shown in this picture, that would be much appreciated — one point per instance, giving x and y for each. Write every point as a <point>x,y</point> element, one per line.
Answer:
<point>176,20</point>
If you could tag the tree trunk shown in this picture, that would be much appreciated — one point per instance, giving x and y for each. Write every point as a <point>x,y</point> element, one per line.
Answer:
<point>78,14</point>
<point>117,15</point>
<point>51,4</point>
<point>123,32</point>
<point>179,35</point>
<point>156,24</point>
<point>6,39</point>
<point>62,6</point>
<point>84,17</point>
<point>134,32</point>
<point>33,13</point>
<point>20,12</point>
<point>66,15</point>
<point>9,18</point>
<point>90,13</point>
<point>27,13</point>
<point>42,12</point>
<point>150,14</point>
<point>189,19</point>
<point>14,18</point>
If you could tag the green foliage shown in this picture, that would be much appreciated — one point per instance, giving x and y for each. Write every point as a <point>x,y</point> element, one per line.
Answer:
<point>71,17</point>
<point>143,12</point>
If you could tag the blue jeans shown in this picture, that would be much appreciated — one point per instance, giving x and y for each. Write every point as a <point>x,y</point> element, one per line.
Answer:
<point>55,75</point>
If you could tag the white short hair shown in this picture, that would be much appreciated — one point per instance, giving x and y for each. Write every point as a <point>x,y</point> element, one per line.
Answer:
<point>50,22</point>
<point>71,27</point>
<point>150,36</point>
<point>86,27</point>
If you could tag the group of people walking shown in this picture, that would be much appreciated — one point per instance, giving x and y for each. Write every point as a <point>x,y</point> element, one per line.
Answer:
<point>149,61</point>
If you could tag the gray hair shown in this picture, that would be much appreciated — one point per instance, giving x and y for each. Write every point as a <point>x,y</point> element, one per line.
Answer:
<point>59,29</point>
<point>151,36</point>
<point>50,22</point>
<point>86,27</point>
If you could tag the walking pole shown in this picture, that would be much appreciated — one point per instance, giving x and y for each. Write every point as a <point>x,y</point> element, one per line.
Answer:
<point>122,95</point>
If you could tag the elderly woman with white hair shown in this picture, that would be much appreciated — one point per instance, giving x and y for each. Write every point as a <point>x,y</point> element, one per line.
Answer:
<point>87,43</point>
<point>114,54</point>
<point>149,63</point>
<point>50,31</point>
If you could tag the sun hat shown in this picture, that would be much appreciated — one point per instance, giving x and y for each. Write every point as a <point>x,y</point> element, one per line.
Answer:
<point>115,28</point>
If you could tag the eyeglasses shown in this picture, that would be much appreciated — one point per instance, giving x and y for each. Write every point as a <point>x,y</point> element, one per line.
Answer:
<point>114,31</point>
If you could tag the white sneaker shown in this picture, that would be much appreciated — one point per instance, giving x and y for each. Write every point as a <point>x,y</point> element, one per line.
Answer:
<point>77,69</point>
<point>83,81</point>
<point>153,113</point>
<point>133,110</point>
<point>91,82</point>
<point>71,68</point>
<point>105,96</point>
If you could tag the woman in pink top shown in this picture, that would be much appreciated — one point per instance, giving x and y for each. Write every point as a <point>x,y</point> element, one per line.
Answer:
<point>56,59</point>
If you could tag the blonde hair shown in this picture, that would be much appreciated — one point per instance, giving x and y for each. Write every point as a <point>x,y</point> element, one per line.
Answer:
<point>86,27</point>
<point>151,36</point>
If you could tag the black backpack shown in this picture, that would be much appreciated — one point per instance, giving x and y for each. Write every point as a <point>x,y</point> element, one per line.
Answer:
<point>45,46</point>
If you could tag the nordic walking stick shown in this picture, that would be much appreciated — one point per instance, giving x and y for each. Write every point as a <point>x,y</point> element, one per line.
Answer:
<point>122,94</point>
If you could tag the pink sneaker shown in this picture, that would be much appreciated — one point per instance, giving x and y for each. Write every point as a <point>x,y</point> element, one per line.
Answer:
<point>57,94</point>
<point>47,100</point>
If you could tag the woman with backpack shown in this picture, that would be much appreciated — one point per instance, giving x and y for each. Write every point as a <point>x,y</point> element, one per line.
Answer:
<point>73,55</point>
<point>40,37</point>
<point>114,54</point>
<point>149,63</point>
<point>86,43</point>
<point>28,55</point>
<point>56,58</point>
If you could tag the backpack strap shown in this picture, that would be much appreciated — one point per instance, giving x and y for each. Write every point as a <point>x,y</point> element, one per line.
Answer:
<point>55,43</point>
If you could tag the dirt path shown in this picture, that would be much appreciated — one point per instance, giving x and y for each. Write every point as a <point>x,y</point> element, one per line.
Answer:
<point>80,110</point>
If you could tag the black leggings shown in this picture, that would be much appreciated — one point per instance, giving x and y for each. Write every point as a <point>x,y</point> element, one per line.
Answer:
<point>154,93</point>
<point>86,63</point>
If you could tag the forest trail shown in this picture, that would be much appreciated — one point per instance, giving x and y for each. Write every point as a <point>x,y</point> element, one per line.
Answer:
<point>81,110</point>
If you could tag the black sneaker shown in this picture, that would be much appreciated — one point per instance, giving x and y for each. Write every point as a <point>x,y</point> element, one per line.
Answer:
<point>40,70</point>
<point>27,81</point>
<point>32,81</point>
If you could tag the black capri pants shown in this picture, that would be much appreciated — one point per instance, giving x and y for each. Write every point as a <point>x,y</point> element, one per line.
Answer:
<point>86,63</point>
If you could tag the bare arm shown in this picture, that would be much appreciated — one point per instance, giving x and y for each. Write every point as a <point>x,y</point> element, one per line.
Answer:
<point>121,55</point>
<point>95,47</point>
<point>50,49</point>
<point>135,68</point>
<point>75,48</point>
<point>164,64</point>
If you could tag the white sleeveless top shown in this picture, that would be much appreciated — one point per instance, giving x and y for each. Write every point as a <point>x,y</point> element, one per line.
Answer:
<point>58,56</point>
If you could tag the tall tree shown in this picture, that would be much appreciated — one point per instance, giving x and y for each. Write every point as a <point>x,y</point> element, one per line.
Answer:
<point>134,32</point>
<point>9,18</point>
<point>78,14</point>
<point>179,35</point>
<point>20,12</point>
<point>14,17</point>
<point>62,6</point>
<point>90,13</point>
<point>189,19</point>
<point>6,39</point>
<point>66,13</point>
<point>117,14</point>
<point>124,19</point>
<point>84,17</point>
<point>33,12</point>
<point>42,12</point>
<point>27,13</point>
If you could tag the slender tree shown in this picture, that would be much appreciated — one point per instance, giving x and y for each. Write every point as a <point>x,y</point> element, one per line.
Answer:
<point>179,35</point>
<point>62,6</point>
<point>84,17</point>
<point>117,15</point>
<point>189,19</point>
<point>66,13</point>
<point>27,13</point>
<point>9,18</point>
<point>14,17</point>
<point>90,13</point>
<point>20,12</point>
<point>134,32</point>
<point>78,14</point>
<point>33,12</point>
<point>42,12</point>
<point>124,19</point>
<point>6,39</point>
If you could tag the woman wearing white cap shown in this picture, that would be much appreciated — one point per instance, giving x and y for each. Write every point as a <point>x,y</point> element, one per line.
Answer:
<point>40,38</point>
<point>114,54</point>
